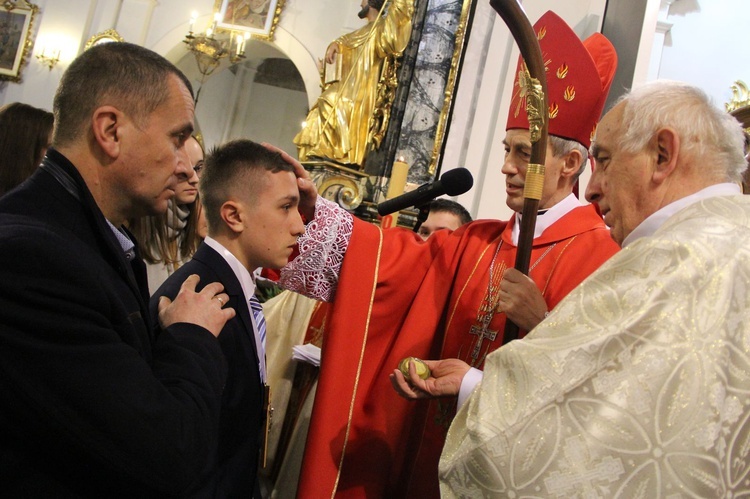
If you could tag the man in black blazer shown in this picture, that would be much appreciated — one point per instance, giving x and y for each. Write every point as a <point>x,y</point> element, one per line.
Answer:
<point>250,197</point>
<point>92,402</point>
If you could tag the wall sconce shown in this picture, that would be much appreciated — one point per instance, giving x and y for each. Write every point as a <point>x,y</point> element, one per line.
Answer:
<point>50,59</point>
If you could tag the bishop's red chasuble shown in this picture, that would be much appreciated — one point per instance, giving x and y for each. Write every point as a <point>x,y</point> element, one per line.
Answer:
<point>399,296</point>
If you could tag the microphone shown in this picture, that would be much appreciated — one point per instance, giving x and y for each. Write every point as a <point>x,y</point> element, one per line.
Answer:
<point>453,183</point>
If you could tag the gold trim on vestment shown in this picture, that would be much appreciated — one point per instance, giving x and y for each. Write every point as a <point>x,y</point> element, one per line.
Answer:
<point>458,299</point>
<point>554,266</point>
<point>479,260</point>
<point>359,365</point>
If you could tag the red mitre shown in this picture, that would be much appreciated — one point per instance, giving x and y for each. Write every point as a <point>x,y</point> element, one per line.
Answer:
<point>579,75</point>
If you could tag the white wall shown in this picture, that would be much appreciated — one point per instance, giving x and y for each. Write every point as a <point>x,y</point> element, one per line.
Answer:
<point>707,45</point>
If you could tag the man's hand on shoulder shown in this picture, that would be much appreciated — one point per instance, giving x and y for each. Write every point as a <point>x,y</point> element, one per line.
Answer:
<point>204,308</point>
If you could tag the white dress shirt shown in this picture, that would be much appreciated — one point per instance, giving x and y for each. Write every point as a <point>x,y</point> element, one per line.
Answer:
<point>247,282</point>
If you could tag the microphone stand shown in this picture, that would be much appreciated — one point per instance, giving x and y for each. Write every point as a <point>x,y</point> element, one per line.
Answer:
<point>534,84</point>
<point>424,212</point>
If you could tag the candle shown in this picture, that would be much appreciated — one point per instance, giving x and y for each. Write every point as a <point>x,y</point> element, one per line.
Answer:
<point>398,178</point>
<point>240,41</point>
<point>217,18</point>
<point>193,18</point>
<point>395,188</point>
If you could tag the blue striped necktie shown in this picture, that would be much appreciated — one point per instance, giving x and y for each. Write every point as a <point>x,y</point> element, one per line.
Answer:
<point>260,321</point>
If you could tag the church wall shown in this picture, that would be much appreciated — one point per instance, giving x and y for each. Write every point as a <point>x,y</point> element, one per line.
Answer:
<point>708,45</point>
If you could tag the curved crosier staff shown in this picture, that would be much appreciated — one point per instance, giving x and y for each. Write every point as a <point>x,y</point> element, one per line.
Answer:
<point>533,84</point>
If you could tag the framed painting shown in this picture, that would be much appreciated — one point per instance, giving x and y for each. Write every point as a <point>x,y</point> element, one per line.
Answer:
<point>16,19</point>
<point>256,17</point>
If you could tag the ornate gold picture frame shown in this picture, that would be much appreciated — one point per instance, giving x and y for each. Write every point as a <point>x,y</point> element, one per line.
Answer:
<point>16,20</point>
<point>107,36</point>
<point>256,17</point>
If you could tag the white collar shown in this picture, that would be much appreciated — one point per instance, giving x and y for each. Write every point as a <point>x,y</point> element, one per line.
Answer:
<point>657,219</point>
<point>548,218</point>
<point>247,282</point>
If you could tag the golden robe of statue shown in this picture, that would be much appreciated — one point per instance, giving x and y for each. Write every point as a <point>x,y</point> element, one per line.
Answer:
<point>338,125</point>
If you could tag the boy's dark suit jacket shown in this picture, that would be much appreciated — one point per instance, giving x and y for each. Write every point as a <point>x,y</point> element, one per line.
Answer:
<point>91,403</point>
<point>234,473</point>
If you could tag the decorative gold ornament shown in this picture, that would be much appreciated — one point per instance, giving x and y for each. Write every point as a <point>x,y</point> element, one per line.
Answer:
<point>386,92</point>
<point>740,96</point>
<point>107,36</point>
<point>562,72</point>
<point>530,93</point>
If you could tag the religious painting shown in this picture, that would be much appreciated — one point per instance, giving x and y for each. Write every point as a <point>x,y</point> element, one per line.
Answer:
<point>256,17</point>
<point>16,18</point>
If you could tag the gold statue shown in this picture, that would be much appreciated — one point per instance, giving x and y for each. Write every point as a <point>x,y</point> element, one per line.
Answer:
<point>357,67</point>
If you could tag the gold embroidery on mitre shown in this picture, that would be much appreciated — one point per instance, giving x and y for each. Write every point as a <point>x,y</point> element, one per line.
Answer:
<point>541,33</point>
<point>553,110</point>
<point>562,72</point>
<point>593,133</point>
<point>570,93</point>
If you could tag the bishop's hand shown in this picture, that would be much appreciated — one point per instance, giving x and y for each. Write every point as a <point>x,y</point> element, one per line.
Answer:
<point>521,300</point>
<point>307,191</point>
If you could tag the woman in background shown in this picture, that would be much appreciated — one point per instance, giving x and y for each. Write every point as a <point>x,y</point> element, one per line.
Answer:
<point>25,135</point>
<point>167,241</point>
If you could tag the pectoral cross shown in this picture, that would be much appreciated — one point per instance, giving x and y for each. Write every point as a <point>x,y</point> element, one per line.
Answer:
<point>483,333</point>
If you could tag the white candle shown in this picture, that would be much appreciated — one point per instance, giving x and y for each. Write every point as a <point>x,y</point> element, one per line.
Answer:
<point>240,39</point>
<point>398,179</point>
<point>193,18</point>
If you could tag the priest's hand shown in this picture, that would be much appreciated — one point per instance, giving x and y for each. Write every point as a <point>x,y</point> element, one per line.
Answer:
<point>521,300</point>
<point>445,379</point>
<point>307,191</point>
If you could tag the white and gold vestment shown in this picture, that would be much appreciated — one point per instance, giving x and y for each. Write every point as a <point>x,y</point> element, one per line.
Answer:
<point>637,385</point>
